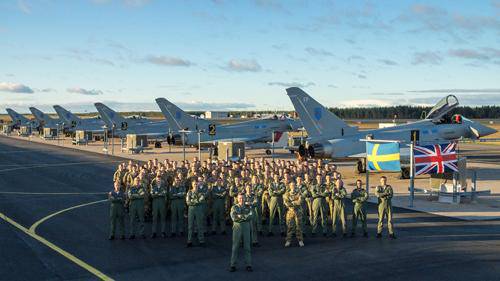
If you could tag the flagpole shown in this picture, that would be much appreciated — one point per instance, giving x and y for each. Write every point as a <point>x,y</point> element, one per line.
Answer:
<point>412,174</point>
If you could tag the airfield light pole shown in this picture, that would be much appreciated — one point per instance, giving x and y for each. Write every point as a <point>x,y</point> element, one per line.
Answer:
<point>199,145</point>
<point>113,139</point>
<point>272,145</point>
<point>412,174</point>
<point>184,146</point>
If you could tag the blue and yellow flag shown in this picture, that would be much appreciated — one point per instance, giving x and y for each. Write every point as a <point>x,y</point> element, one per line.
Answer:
<point>382,156</point>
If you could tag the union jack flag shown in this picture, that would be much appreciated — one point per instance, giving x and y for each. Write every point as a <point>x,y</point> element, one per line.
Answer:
<point>435,159</point>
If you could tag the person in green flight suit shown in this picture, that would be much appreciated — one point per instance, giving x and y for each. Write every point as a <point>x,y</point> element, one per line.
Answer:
<point>384,194</point>
<point>219,194</point>
<point>359,197</point>
<point>136,195</point>
<point>338,194</point>
<point>276,191</point>
<point>252,202</point>
<point>178,200</point>
<point>195,200</point>
<point>117,211</point>
<point>159,196</point>
<point>241,215</point>
<point>319,192</point>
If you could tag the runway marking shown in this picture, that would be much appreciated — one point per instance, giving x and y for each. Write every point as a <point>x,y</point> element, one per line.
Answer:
<point>51,193</point>
<point>57,165</point>
<point>57,249</point>
<point>36,224</point>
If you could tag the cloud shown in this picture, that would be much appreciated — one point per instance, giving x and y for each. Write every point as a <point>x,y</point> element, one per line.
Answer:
<point>243,66</point>
<point>355,57</point>
<point>467,54</point>
<point>365,103</point>
<point>136,3</point>
<point>490,90</point>
<point>86,92</point>
<point>433,58</point>
<point>270,5</point>
<point>361,76</point>
<point>291,84</point>
<point>318,52</point>
<point>15,88</point>
<point>464,99</point>
<point>167,61</point>
<point>387,62</point>
<point>23,6</point>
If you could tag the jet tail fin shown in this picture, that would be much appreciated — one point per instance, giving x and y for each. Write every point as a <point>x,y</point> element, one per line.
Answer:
<point>67,116</point>
<point>16,117</point>
<point>109,116</point>
<point>317,120</point>
<point>178,119</point>
<point>43,118</point>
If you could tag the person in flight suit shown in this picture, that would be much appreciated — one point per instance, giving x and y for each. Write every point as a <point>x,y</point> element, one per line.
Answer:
<point>159,197</point>
<point>241,215</point>
<point>293,201</point>
<point>116,211</point>
<point>319,193</point>
<point>384,194</point>
<point>195,200</point>
<point>276,191</point>
<point>136,195</point>
<point>359,197</point>
<point>178,198</point>
<point>219,194</point>
<point>338,195</point>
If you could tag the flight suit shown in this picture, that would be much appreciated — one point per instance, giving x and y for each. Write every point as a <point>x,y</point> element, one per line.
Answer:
<point>258,190</point>
<point>265,200</point>
<point>219,194</point>
<point>117,213</point>
<point>329,200</point>
<point>118,176</point>
<point>319,193</point>
<point>305,194</point>
<point>252,203</point>
<point>338,195</point>
<point>359,197</point>
<point>195,201</point>
<point>177,197</point>
<point>276,191</point>
<point>293,201</point>
<point>309,202</point>
<point>159,198</point>
<point>384,194</point>
<point>241,216</point>
<point>136,195</point>
<point>234,190</point>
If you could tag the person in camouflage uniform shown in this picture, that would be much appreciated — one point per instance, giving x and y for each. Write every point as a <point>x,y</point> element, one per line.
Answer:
<point>293,202</point>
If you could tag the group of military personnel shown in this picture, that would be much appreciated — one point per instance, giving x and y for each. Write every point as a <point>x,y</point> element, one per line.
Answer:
<point>249,193</point>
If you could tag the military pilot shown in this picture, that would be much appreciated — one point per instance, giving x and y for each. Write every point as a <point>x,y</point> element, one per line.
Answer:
<point>359,197</point>
<point>195,200</point>
<point>117,211</point>
<point>384,194</point>
<point>241,216</point>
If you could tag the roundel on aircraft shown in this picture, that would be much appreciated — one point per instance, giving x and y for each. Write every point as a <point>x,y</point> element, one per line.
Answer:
<point>178,115</point>
<point>317,113</point>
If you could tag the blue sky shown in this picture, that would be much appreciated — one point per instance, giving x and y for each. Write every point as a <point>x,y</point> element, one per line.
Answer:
<point>243,54</point>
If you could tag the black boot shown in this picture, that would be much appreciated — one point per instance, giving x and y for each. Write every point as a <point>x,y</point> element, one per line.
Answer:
<point>379,235</point>
<point>392,236</point>
<point>111,237</point>
<point>189,245</point>
<point>232,269</point>
<point>132,237</point>
<point>249,269</point>
<point>153,235</point>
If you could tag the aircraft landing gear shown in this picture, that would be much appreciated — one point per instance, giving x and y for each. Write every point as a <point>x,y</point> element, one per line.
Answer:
<point>405,173</point>
<point>361,166</point>
<point>268,151</point>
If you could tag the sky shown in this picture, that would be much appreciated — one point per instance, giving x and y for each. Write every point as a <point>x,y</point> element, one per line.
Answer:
<point>242,55</point>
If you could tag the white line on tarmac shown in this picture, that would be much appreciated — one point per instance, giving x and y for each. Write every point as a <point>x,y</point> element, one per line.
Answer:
<point>57,165</point>
<point>51,193</point>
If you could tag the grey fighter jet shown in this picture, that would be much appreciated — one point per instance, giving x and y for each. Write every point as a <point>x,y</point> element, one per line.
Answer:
<point>76,123</point>
<point>331,137</point>
<point>139,126</point>
<point>48,122</point>
<point>253,132</point>
<point>19,120</point>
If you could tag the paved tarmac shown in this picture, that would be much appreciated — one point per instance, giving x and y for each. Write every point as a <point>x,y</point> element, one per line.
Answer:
<point>37,181</point>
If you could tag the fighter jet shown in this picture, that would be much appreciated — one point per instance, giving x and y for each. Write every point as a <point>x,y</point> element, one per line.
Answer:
<point>253,132</point>
<point>19,120</point>
<point>47,122</point>
<point>331,137</point>
<point>76,123</point>
<point>139,126</point>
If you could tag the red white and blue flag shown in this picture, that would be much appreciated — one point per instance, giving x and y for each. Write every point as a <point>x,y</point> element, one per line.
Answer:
<point>435,159</point>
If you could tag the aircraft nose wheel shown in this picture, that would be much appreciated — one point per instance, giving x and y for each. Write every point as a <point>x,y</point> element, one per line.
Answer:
<point>361,167</point>
<point>268,152</point>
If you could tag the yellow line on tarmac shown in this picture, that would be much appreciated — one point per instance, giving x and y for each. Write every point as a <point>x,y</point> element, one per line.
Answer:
<point>65,254</point>
<point>36,224</point>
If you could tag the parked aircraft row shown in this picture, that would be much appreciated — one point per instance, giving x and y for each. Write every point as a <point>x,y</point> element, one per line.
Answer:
<point>328,135</point>
<point>177,125</point>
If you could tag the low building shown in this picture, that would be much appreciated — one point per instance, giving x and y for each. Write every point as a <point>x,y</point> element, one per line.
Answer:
<point>216,114</point>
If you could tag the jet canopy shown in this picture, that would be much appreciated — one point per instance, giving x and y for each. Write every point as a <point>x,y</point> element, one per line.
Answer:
<point>444,106</point>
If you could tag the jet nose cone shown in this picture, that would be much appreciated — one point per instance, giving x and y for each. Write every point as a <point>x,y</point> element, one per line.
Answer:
<point>481,130</point>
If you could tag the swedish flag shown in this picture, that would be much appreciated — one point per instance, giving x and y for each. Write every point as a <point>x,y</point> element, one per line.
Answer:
<point>383,156</point>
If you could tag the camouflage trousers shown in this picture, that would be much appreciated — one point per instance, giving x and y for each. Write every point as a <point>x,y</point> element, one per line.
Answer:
<point>294,224</point>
